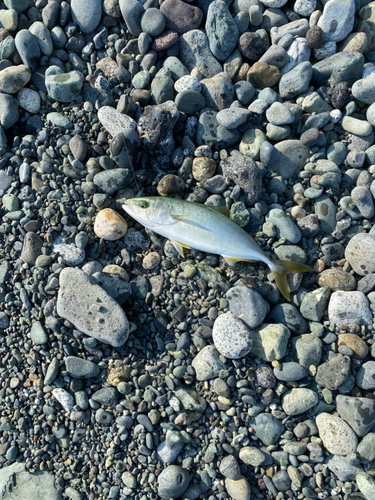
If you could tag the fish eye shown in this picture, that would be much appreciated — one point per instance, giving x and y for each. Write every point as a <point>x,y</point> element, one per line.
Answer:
<point>143,204</point>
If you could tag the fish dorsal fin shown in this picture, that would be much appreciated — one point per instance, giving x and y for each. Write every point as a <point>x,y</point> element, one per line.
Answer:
<point>179,247</point>
<point>222,210</point>
<point>232,260</point>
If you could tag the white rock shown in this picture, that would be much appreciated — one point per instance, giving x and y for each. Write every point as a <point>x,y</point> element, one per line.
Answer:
<point>274,4</point>
<point>64,398</point>
<point>29,100</point>
<point>115,122</point>
<point>187,82</point>
<point>337,436</point>
<point>304,7</point>
<point>349,308</point>
<point>24,172</point>
<point>299,400</point>
<point>232,338</point>
<point>366,485</point>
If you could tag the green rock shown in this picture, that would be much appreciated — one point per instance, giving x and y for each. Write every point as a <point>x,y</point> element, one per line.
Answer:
<point>189,271</point>
<point>239,214</point>
<point>37,334</point>
<point>366,485</point>
<point>81,240</point>
<point>10,202</point>
<point>193,404</point>
<point>43,261</point>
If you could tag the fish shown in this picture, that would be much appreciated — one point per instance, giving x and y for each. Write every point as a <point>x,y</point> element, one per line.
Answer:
<point>190,225</point>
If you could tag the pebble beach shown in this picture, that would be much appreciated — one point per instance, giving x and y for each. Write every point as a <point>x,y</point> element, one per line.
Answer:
<point>126,370</point>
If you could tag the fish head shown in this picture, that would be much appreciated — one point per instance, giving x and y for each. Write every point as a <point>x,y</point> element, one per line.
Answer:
<point>150,211</point>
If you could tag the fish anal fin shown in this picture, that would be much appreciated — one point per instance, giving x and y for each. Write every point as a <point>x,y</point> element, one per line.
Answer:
<point>282,283</point>
<point>296,267</point>
<point>232,260</point>
<point>179,247</point>
<point>223,210</point>
<point>280,269</point>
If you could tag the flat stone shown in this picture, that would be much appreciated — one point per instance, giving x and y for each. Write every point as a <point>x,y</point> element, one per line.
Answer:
<point>349,308</point>
<point>32,248</point>
<point>341,67</point>
<point>115,122</point>
<point>267,428</point>
<point>366,376</point>
<point>333,372</point>
<point>337,279</point>
<point>217,91</point>
<point>359,413</point>
<point>238,489</point>
<point>180,16</point>
<point>337,20</point>
<point>90,308</point>
<point>247,305</point>
<point>195,53</point>
<point>207,364</point>
<point>14,78</point>
<point>366,485</point>
<point>299,400</point>
<point>64,87</point>
<point>81,368</point>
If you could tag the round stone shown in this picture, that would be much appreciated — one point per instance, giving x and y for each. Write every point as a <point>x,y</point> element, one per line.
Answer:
<point>9,111</point>
<point>203,168</point>
<point>12,79</point>
<point>360,253</point>
<point>187,82</point>
<point>299,400</point>
<point>337,436</point>
<point>172,482</point>
<point>263,75</point>
<point>86,14</point>
<point>29,100</point>
<point>109,225</point>
<point>153,22</point>
<point>170,185</point>
<point>151,260</point>
<point>232,338</point>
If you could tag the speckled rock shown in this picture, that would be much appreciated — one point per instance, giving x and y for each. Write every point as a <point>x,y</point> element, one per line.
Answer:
<point>14,78</point>
<point>90,308</point>
<point>270,341</point>
<point>338,438</point>
<point>337,279</point>
<point>349,308</point>
<point>247,305</point>
<point>238,489</point>
<point>109,225</point>
<point>299,400</point>
<point>113,121</point>
<point>231,336</point>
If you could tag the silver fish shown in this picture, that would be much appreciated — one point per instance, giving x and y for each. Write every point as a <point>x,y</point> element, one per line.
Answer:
<point>191,225</point>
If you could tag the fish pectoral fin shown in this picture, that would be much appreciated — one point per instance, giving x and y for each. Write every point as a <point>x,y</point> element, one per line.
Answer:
<point>232,260</point>
<point>179,247</point>
<point>223,210</point>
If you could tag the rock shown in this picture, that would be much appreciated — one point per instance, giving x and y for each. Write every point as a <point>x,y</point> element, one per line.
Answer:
<point>64,398</point>
<point>221,30</point>
<point>246,174</point>
<point>43,37</point>
<point>263,75</point>
<point>170,185</point>
<point>132,12</point>
<point>110,181</point>
<point>155,128</point>
<point>290,371</point>
<point>366,447</point>
<point>173,482</point>
<point>107,396</point>
<point>366,376</point>
<point>355,343</point>
<point>359,413</point>
<point>193,404</point>
<point>231,336</point>
<point>168,454</point>
<point>28,49</point>
<point>337,20</point>
<point>232,117</point>
<point>364,89</point>
<point>32,248</point>
<point>77,147</point>
<point>349,308</point>
<point>207,364</point>
<point>252,456</point>
<point>153,22</point>
<point>238,489</point>
<point>285,227</point>
<point>81,368</point>
<point>360,253</point>
<point>333,372</point>
<point>247,305</point>
<point>287,158</point>
<point>217,91</point>
<point>230,468</point>
<point>366,485</point>
<point>115,122</point>
<point>337,279</point>
<point>181,17</point>
<point>252,46</point>
<point>28,486</point>
<point>289,316</point>
<point>203,168</point>
<point>270,341</point>
<point>109,225</point>
<point>72,255</point>
<point>338,438</point>
<point>298,401</point>
<point>64,87</point>
<point>38,334</point>
<point>296,81</point>
<point>267,428</point>
<point>14,78</point>
<point>342,467</point>
<point>326,212</point>
<point>211,133</point>
<point>9,111</point>
<point>341,67</point>
<point>195,53</point>
<point>29,100</point>
<point>314,303</point>
<point>125,148</point>
<point>79,302</point>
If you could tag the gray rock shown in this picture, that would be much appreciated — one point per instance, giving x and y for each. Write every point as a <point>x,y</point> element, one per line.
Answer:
<point>290,371</point>
<point>231,336</point>
<point>314,303</point>
<point>246,174</point>
<point>9,111</point>
<point>278,114</point>
<point>289,316</point>
<point>341,67</point>
<point>107,396</point>
<point>25,485</point>
<point>295,28</point>
<point>177,69</point>
<point>363,199</point>
<point>4,321</point>
<point>195,53</point>
<point>168,454</point>
<point>366,485</point>
<point>207,364</point>
<point>349,308</point>
<point>212,134</point>
<point>132,12</point>
<point>285,227</point>
<point>86,14</point>
<point>366,447</point>
<point>72,255</point>
<point>52,371</point>
<point>43,37</point>
<point>365,378</point>
<point>64,87</point>
<point>153,22</point>
<point>359,413</point>
<point>103,417</point>
<point>90,308</point>
<point>342,468</point>
<point>32,248</point>
<point>190,101</point>
<point>247,305</point>
<point>299,400</point>
<point>287,158</point>
<point>267,428</point>
<point>296,81</point>
<point>125,148</point>
<point>110,181</point>
<point>38,334</point>
<point>221,30</point>
<point>193,404</point>
<point>81,368</point>
<point>28,49</point>
<point>333,372</point>
<point>337,20</point>
<point>326,211</point>
<point>230,468</point>
<point>59,120</point>
<point>218,91</point>
<point>270,341</point>
<point>232,117</point>
<point>162,90</point>
<point>173,482</point>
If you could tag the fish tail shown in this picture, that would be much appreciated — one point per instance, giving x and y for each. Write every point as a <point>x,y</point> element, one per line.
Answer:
<point>280,269</point>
